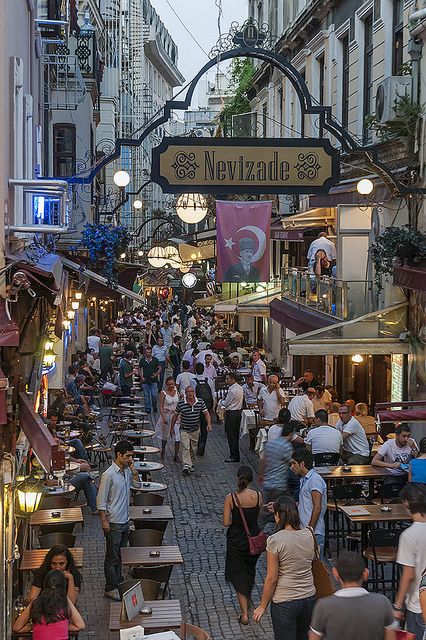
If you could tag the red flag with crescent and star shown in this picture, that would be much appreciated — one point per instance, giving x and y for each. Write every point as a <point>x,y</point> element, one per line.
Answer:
<point>242,242</point>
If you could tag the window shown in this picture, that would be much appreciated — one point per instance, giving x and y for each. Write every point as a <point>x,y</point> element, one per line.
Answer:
<point>345,80</point>
<point>368,73</point>
<point>63,150</point>
<point>321,76</point>
<point>398,38</point>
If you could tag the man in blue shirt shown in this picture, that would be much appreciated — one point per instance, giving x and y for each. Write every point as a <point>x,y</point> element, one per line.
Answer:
<point>312,494</point>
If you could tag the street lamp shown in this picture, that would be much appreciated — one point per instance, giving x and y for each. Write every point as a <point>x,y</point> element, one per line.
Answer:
<point>357,358</point>
<point>121,179</point>
<point>189,280</point>
<point>29,494</point>
<point>364,187</point>
<point>137,204</point>
<point>157,257</point>
<point>191,208</point>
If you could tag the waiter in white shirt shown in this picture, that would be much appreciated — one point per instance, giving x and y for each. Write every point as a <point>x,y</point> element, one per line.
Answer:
<point>233,404</point>
<point>322,242</point>
<point>259,368</point>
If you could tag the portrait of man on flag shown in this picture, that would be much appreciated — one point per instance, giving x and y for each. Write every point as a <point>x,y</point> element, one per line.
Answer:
<point>242,243</point>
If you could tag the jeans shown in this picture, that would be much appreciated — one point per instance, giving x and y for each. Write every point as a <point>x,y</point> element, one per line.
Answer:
<point>291,620</point>
<point>80,450</point>
<point>83,481</point>
<point>232,430</point>
<point>414,623</point>
<point>116,538</point>
<point>202,440</point>
<point>150,394</point>
<point>320,539</point>
<point>189,441</point>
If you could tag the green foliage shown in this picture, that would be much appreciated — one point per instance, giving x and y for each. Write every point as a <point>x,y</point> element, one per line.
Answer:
<point>405,124</point>
<point>241,71</point>
<point>396,245</point>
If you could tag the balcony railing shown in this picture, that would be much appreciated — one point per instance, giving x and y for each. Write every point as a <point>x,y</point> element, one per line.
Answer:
<point>343,299</point>
<point>64,86</point>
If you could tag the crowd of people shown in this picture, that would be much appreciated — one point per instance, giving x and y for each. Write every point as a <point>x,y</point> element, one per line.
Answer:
<point>194,373</point>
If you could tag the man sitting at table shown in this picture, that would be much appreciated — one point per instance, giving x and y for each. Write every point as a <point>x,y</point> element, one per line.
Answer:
<point>352,612</point>
<point>396,454</point>
<point>355,444</point>
<point>321,438</point>
<point>251,391</point>
<point>301,407</point>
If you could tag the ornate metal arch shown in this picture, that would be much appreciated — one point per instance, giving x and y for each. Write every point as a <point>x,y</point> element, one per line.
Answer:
<point>254,48</point>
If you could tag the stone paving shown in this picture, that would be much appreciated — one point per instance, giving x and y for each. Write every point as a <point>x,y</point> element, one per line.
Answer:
<point>196,501</point>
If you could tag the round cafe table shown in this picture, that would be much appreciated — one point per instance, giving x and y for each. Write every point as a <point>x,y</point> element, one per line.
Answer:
<point>59,491</point>
<point>143,451</point>
<point>66,448</point>
<point>138,434</point>
<point>64,423</point>
<point>73,434</point>
<point>147,487</point>
<point>146,466</point>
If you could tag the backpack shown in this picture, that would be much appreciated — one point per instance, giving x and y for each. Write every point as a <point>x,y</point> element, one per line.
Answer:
<point>203,392</point>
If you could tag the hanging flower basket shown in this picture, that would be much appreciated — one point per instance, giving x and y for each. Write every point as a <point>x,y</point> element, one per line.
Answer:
<point>104,244</point>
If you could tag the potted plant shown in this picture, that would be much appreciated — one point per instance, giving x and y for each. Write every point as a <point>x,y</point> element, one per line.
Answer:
<point>405,125</point>
<point>396,246</point>
<point>104,244</point>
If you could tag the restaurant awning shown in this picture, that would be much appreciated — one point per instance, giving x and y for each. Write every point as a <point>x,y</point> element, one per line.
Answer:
<point>289,235</point>
<point>373,333</point>
<point>38,435</point>
<point>405,411</point>
<point>79,268</point>
<point>44,272</point>
<point>210,301</point>
<point>297,317</point>
<point>317,217</point>
<point>257,304</point>
<point>9,330</point>
<point>347,193</point>
<point>189,252</point>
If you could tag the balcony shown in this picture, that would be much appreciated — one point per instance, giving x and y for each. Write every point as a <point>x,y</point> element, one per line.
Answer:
<point>64,87</point>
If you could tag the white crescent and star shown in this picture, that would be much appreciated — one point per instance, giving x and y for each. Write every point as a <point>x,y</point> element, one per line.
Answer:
<point>229,243</point>
<point>261,237</point>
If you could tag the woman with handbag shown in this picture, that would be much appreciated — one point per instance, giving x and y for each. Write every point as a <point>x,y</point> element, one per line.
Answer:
<point>240,514</point>
<point>289,583</point>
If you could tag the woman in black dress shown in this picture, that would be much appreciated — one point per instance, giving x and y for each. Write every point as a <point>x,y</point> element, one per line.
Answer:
<point>240,566</point>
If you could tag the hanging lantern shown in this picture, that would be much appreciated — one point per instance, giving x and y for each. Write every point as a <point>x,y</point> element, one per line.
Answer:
<point>29,494</point>
<point>49,358</point>
<point>78,295</point>
<point>172,256</point>
<point>48,345</point>
<point>157,257</point>
<point>75,305</point>
<point>66,324</point>
<point>191,208</point>
<point>70,314</point>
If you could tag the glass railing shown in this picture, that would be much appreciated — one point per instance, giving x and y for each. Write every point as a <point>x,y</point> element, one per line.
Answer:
<point>344,299</point>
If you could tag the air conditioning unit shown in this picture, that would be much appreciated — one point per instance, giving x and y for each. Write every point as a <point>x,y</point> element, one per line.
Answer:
<point>389,91</point>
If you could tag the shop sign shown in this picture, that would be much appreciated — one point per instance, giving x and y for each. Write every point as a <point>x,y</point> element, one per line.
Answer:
<point>245,165</point>
<point>290,235</point>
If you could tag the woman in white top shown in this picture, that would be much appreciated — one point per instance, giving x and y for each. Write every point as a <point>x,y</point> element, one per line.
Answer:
<point>169,397</point>
<point>289,582</point>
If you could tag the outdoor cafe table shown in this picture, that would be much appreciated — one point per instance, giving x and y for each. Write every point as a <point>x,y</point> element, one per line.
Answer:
<point>372,513</point>
<point>162,512</point>
<point>44,516</point>
<point>166,615</point>
<point>148,487</point>
<point>138,434</point>
<point>141,556</point>
<point>58,491</point>
<point>143,451</point>
<point>357,472</point>
<point>148,466</point>
<point>33,558</point>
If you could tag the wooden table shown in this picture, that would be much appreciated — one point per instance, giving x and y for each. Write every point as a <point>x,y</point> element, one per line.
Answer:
<point>375,514</point>
<point>166,615</point>
<point>140,556</point>
<point>358,472</point>
<point>146,467</point>
<point>148,487</point>
<point>33,559</point>
<point>162,512</point>
<point>44,516</point>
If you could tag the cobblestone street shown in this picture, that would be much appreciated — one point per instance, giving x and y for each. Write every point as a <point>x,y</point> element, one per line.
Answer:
<point>196,501</point>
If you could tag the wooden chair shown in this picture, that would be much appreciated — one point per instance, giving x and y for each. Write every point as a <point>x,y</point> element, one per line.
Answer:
<point>383,550</point>
<point>55,502</point>
<point>145,538</point>
<point>191,632</point>
<point>150,588</point>
<point>390,493</point>
<point>156,525</point>
<point>49,540</point>
<point>159,573</point>
<point>147,500</point>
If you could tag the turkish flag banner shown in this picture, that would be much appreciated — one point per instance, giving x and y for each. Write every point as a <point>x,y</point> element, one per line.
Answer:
<point>242,242</point>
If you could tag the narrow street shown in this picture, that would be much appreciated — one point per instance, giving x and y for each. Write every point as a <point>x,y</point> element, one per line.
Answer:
<point>196,501</point>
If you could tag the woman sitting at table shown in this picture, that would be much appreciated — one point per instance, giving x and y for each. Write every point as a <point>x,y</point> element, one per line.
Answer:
<point>52,614</point>
<point>58,558</point>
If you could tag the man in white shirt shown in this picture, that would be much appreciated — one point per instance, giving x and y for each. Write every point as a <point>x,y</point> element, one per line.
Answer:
<point>395,454</point>
<point>301,407</point>
<point>233,404</point>
<point>94,341</point>
<point>355,444</point>
<point>167,334</point>
<point>185,378</point>
<point>322,438</point>
<point>412,556</point>
<point>176,328</point>
<point>271,399</point>
<point>259,368</point>
<point>201,357</point>
<point>322,242</point>
<point>209,368</point>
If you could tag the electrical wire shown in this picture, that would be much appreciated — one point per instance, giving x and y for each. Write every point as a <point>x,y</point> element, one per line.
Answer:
<point>187,30</point>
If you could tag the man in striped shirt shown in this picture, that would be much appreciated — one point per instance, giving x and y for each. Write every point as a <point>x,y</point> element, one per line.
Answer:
<point>189,410</point>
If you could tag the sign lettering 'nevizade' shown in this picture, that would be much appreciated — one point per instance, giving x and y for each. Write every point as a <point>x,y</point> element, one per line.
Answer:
<point>245,165</point>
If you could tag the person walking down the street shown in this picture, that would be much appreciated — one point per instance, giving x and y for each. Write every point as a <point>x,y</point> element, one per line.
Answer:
<point>233,404</point>
<point>159,351</point>
<point>127,371</point>
<point>352,612</point>
<point>189,410</point>
<point>52,614</point>
<point>149,372</point>
<point>240,566</point>
<point>412,557</point>
<point>113,505</point>
<point>169,398</point>
<point>312,494</point>
<point>106,357</point>
<point>204,390</point>
<point>289,583</point>
<point>175,356</point>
